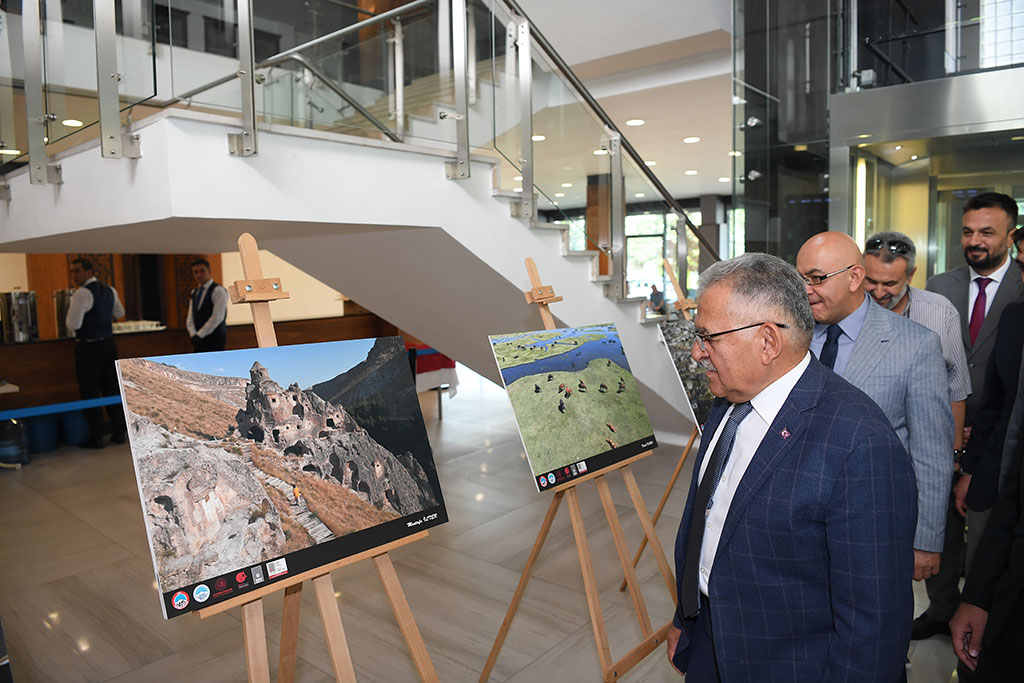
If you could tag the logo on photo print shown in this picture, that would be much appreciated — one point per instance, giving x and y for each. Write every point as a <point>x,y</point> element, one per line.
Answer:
<point>201,593</point>
<point>543,481</point>
<point>220,584</point>
<point>180,600</point>
<point>551,478</point>
<point>582,466</point>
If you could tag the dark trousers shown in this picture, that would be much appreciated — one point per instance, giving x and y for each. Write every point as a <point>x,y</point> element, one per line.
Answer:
<point>94,368</point>
<point>703,666</point>
<point>957,552</point>
<point>213,342</point>
<point>1001,660</point>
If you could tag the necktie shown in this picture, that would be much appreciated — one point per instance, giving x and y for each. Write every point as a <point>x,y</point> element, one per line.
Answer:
<point>705,496</point>
<point>197,296</point>
<point>978,312</point>
<point>831,348</point>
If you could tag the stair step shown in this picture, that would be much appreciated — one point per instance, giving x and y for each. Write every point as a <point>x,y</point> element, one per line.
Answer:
<point>506,194</point>
<point>544,225</point>
<point>586,253</point>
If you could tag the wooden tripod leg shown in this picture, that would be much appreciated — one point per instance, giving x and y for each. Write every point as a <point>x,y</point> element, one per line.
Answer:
<point>289,633</point>
<point>620,547</point>
<point>517,597</point>
<point>255,634</point>
<point>337,645</point>
<point>604,652</point>
<point>406,622</point>
<point>664,499</point>
<point>648,525</point>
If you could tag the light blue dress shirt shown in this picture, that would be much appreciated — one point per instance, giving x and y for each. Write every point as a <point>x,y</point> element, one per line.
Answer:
<point>851,326</point>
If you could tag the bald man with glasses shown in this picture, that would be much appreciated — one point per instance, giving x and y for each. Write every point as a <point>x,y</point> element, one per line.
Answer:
<point>895,361</point>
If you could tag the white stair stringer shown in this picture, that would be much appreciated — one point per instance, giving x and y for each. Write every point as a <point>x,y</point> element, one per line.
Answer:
<point>378,221</point>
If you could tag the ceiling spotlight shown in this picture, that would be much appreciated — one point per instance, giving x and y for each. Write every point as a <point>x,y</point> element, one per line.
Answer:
<point>898,147</point>
<point>559,194</point>
<point>913,157</point>
<point>635,122</point>
<point>566,184</point>
<point>1017,137</point>
<point>639,195</point>
<point>735,153</point>
<point>554,203</point>
<point>863,136</point>
<point>600,152</point>
<point>518,178</point>
<point>9,152</point>
<point>650,163</point>
<point>690,172</point>
<point>71,123</point>
<point>517,189</point>
<point>691,139</point>
<point>724,179</point>
<point>538,138</point>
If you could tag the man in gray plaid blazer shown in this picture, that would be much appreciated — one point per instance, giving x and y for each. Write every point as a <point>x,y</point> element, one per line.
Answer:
<point>895,361</point>
<point>795,551</point>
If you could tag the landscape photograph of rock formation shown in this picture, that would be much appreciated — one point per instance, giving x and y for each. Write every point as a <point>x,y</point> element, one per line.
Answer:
<point>256,464</point>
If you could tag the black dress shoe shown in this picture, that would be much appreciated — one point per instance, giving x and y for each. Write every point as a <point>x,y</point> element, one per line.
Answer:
<point>926,627</point>
<point>119,438</point>
<point>91,443</point>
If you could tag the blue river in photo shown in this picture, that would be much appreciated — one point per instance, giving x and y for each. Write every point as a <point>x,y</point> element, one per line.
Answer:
<point>609,347</point>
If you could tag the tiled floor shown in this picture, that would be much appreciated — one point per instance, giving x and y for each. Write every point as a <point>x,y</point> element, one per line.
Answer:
<point>78,599</point>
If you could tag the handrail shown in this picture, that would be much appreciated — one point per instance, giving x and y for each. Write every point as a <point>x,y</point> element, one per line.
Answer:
<point>351,28</point>
<point>601,114</point>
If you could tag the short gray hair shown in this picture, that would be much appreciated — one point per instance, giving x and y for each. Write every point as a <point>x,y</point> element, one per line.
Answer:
<point>880,246</point>
<point>766,283</point>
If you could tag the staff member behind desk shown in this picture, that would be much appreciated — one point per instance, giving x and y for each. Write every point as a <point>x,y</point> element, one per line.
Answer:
<point>207,310</point>
<point>90,316</point>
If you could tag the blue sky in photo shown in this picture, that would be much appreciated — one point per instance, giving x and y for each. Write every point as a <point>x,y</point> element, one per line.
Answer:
<point>307,364</point>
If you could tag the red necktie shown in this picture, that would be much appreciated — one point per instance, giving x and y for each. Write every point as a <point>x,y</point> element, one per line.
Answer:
<point>978,312</point>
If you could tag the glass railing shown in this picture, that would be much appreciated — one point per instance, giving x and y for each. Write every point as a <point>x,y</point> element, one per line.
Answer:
<point>334,67</point>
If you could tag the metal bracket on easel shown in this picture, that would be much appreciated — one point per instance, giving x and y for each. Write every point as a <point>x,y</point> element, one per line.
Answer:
<point>252,291</point>
<point>545,294</point>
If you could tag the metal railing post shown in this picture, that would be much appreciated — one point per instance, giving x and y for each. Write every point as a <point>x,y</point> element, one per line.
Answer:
<point>460,167</point>
<point>526,203</point>
<point>617,223</point>
<point>245,143</point>
<point>107,78</point>
<point>472,58</point>
<point>40,172</point>
<point>399,74</point>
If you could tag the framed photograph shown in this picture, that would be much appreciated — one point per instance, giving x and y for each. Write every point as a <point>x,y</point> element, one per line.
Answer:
<point>575,400</point>
<point>258,464</point>
<point>679,336</point>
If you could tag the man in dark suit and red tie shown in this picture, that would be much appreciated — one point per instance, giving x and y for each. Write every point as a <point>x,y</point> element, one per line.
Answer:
<point>795,552</point>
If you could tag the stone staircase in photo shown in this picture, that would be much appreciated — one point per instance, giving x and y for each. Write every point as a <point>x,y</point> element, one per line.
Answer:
<point>299,510</point>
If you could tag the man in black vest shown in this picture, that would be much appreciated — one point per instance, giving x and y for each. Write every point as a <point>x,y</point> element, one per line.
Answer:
<point>90,316</point>
<point>207,310</point>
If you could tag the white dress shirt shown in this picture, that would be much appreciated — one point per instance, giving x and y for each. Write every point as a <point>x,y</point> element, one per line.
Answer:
<point>220,310</point>
<point>81,303</point>
<point>990,288</point>
<point>766,405</point>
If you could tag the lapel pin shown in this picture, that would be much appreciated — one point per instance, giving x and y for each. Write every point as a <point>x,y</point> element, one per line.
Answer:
<point>785,433</point>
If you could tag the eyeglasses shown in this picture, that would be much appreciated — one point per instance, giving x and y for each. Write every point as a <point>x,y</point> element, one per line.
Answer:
<point>815,280</point>
<point>704,337</point>
<point>901,248</point>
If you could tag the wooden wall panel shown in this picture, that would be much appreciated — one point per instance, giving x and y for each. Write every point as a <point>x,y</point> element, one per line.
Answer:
<point>46,274</point>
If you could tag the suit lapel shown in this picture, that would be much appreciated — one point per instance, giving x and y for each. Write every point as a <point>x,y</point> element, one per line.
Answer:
<point>873,341</point>
<point>783,434</point>
<point>715,415</point>
<point>961,296</point>
<point>1009,289</point>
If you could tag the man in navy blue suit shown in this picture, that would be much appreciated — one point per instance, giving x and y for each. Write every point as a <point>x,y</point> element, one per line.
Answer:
<point>795,553</point>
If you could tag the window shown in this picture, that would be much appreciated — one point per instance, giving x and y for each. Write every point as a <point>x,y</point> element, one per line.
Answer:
<point>171,26</point>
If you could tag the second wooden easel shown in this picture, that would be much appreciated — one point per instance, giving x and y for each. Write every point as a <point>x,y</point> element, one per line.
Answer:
<point>542,296</point>
<point>258,292</point>
<point>683,306</point>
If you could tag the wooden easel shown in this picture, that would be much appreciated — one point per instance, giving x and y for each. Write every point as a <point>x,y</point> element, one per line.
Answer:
<point>683,305</point>
<point>542,295</point>
<point>258,292</point>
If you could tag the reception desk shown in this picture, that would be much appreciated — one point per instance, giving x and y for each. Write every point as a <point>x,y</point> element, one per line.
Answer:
<point>45,371</point>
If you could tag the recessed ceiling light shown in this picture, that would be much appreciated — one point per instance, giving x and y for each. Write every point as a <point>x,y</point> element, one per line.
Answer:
<point>600,152</point>
<point>736,99</point>
<point>650,163</point>
<point>71,123</point>
<point>898,147</point>
<point>566,184</point>
<point>691,139</point>
<point>913,157</point>
<point>635,122</point>
<point>559,194</point>
<point>799,148</point>
<point>690,172</point>
<point>538,138</point>
<point>639,195</point>
<point>724,179</point>
<point>864,135</point>
<point>554,203</point>
<point>517,189</point>
<point>735,153</point>
<point>10,152</point>
<point>518,178</point>
<point>1017,137</point>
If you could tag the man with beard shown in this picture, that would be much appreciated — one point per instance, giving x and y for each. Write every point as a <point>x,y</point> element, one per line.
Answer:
<point>896,362</point>
<point>980,291</point>
<point>889,265</point>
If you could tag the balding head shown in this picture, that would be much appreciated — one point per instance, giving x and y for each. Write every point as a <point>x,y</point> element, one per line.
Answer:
<point>835,257</point>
